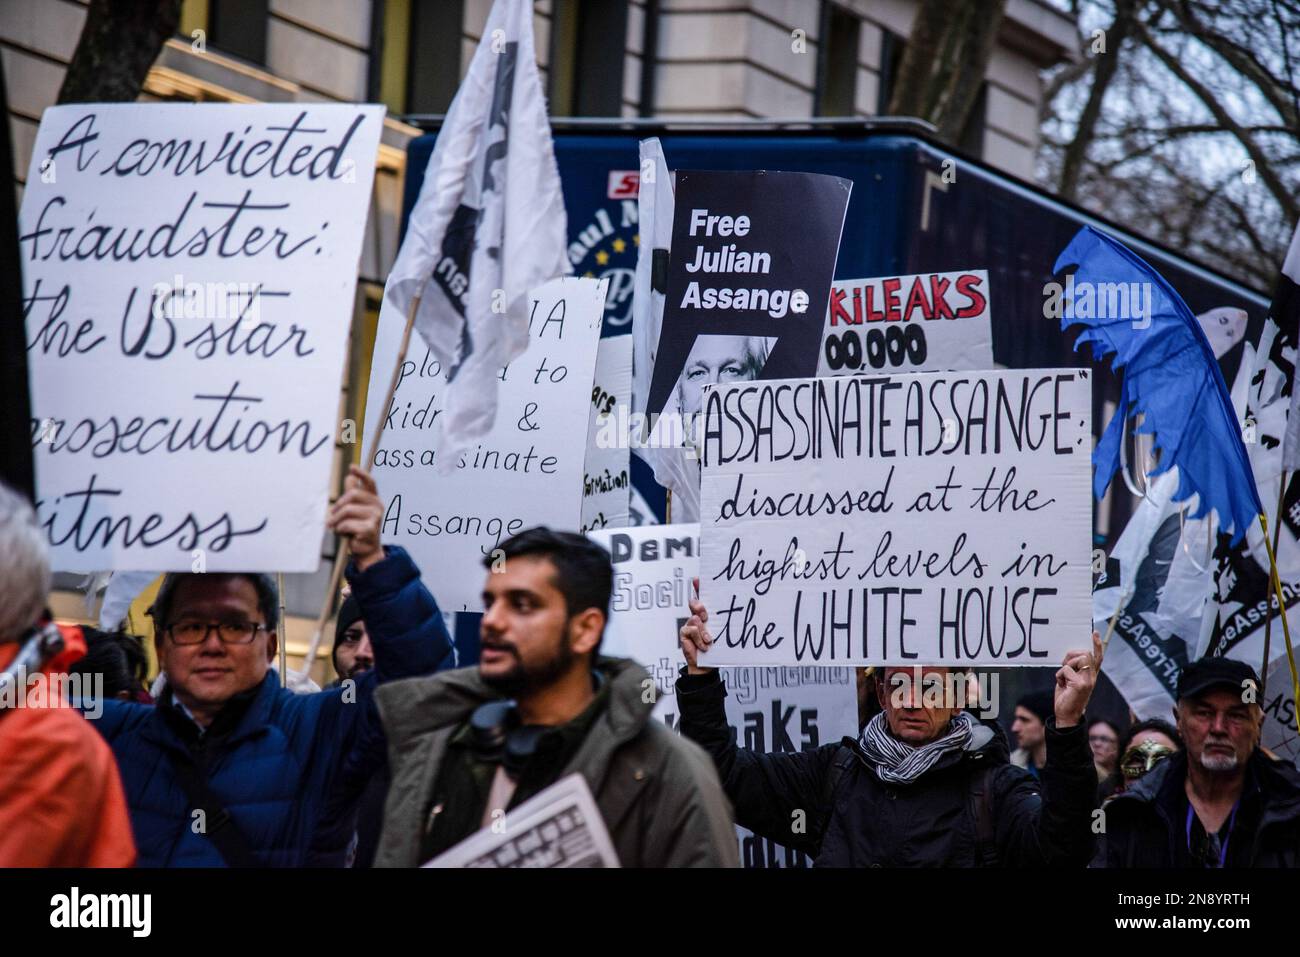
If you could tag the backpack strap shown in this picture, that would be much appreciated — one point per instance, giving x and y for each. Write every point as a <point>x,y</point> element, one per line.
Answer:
<point>220,827</point>
<point>846,755</point>
<point>980,804</point>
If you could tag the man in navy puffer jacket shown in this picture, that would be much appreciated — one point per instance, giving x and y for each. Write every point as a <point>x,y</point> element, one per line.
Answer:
<point>229,768</point>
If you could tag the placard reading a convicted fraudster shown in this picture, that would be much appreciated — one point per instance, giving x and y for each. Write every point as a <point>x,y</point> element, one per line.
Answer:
<point>937,518</point>
<point>921,323</point>
<point>189,275</point>
<point>527,470</point>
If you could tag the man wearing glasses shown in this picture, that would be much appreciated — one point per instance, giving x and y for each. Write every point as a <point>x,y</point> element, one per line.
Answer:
<point>230,768</point>
<point>1222,801</point>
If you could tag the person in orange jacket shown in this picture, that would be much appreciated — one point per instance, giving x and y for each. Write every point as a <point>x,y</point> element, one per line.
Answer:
<point>61,800</point>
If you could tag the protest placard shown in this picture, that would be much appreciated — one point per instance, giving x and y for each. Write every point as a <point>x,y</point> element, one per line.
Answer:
<point>770,709</point>
<point>935,518</point>
<point>189,277</point>
<point>919,323</point>
<point>607,475</point>
<point>749,274</point>
<point>558,827</point>
<point>1279,731</point>
<point>526,471</point>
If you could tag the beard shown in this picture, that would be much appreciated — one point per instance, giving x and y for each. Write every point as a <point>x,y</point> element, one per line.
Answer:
<point>1219,761</point>
<point>520,680</point>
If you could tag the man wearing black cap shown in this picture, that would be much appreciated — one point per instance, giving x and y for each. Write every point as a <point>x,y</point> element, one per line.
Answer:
<point>1223,801</point>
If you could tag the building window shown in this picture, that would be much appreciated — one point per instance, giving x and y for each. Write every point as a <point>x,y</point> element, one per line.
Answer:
<point>837,62</point>
<point>238,27</point>
<point>415,54</point>
<point>588,49</point>
<point>891,57</point>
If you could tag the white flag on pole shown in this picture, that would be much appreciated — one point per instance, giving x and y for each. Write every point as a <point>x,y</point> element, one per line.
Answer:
<point>676,467</point>
<point>1287,302</point>
<point>489,226</point>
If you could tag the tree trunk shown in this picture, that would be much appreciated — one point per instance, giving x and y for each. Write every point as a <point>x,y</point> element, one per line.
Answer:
<point>945,61</point>
<point>118,45</point>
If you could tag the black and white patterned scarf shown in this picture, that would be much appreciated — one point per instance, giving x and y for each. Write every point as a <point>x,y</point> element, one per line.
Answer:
<point>900,763</point>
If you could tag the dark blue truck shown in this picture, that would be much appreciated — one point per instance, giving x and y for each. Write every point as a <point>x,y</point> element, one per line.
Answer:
<point>917,206</point>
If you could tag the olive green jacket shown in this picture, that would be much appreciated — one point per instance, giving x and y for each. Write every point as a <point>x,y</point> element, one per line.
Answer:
<point>658,792</point>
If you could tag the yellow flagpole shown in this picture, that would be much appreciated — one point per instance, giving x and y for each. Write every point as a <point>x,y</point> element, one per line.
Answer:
<point>1268,612</point>
<point>1281,604</point>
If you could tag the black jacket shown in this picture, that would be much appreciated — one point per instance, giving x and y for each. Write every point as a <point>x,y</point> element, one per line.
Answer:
<point>1146,825</point>
<point>971,809</point>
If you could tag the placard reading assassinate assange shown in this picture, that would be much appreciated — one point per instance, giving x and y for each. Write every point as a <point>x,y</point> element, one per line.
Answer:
<point>189,275</point>
<point>912,519</point>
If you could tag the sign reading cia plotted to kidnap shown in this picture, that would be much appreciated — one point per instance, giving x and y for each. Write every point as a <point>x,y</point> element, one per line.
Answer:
<point>930,518</point>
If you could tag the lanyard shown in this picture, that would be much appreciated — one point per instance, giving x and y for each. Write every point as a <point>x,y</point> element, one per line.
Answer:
<point>1223,851</point>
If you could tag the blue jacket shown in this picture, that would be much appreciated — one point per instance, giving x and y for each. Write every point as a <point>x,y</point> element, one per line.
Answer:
<point>274,769</point>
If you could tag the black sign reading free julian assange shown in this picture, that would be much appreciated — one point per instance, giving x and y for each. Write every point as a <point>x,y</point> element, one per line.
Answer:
<point>752,260</point>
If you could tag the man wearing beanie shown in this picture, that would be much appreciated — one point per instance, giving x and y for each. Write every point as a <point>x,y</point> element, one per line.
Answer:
<point>352,655</point>
<point>1222,801</point>
<point>1030,728</point>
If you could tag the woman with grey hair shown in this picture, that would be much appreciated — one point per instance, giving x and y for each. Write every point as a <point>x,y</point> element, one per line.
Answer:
<point>61,799</point>
<point>24,566</point>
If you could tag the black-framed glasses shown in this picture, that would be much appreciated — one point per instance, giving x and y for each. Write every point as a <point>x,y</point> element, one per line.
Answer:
<point>190,631</point>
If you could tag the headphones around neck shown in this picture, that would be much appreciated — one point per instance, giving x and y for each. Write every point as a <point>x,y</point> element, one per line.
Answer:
<point>499,736</point>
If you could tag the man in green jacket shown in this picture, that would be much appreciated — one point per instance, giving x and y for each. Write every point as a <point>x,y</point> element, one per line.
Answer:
<point>467,746</point>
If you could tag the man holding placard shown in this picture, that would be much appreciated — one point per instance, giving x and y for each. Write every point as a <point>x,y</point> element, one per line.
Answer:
<point>231,768</point>
<point>471,748</point>
<point>926,785</point>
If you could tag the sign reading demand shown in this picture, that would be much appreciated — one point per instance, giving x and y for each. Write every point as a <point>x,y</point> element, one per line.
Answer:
<point>189,275</point>
<point>937,518</point>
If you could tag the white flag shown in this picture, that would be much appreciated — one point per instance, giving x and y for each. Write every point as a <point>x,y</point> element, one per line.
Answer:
<point>123,589</point>
<point>489,226</point>
<point>676,468</point>
<point>1286,313</point>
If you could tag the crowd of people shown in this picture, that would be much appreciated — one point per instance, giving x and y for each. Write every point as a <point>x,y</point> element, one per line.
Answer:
<point>405,755</point>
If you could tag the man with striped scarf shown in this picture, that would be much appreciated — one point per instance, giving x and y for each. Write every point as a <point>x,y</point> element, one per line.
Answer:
<point>925,785</point>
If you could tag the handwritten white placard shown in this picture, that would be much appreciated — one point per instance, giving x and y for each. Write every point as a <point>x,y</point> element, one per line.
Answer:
<point>935,518</point>
<point>526,471</point>
<point>918,323</point>
<point>607,476</point>
<point>189,275</point>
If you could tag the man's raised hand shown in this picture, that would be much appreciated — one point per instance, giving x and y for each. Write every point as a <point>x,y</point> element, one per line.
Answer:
<point>359,514</point>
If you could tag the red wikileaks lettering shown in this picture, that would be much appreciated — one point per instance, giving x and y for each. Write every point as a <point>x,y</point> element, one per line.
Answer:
<point>926,298</point>
<point>968,286</point>
<point>838,313</point>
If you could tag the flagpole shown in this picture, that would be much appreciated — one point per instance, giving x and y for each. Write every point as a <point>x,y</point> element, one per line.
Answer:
<point>1110,629</point>
<point>1268,612</point>
<point>1281,603</point>
<point>283,632</point>
<point>341,559</point>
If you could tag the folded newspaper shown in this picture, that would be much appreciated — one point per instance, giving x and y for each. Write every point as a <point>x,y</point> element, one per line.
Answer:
<point>560,827</point>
